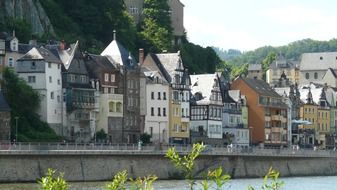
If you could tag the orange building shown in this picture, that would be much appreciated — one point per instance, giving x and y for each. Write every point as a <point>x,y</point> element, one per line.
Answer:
<point>267,113</point>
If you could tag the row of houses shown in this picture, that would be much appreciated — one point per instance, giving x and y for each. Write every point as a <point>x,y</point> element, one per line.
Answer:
<point>82,93</point>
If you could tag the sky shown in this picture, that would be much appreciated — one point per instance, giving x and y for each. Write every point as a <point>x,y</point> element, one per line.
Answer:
<point>250,24</point>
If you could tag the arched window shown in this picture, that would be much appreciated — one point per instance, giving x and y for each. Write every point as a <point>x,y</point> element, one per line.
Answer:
<point>111,106</point>
<point>315,75</point>
<point>307,75</point>
<point>119,107</point>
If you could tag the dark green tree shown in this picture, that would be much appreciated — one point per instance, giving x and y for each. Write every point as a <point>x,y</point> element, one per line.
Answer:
<point>24,103</point>
<point>23,30</point>
<point>155,31</point>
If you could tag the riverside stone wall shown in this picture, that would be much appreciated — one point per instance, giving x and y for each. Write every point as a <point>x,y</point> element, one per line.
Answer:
<point>97,166</point>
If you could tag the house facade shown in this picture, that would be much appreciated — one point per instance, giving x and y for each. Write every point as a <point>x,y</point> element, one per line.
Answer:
<point>255,71</point>
<point>282,66</point>
<point>107,79</point>
<point>206,110</point>
<point>42,71</point>
<point>133,121</point>
<point>319,68</point>
<point>174,72</point>
<point>267,113</point>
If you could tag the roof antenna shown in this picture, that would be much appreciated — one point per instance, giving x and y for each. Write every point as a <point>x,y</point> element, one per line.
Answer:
<point>114,34</point>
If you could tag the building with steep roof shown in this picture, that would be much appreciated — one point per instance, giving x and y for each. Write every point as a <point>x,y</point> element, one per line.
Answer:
<point>206,109</point>
<point>107,79</point>
<point>42,71</point>
<point>157,104</point>
<point>267,113</point>
<point>79,97</point>
<point>171,67</point>
<point>133,85</point>
<point>319,68</point>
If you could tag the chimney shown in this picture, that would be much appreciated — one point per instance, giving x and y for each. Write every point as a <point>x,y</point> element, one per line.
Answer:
<point>62,45</point>
<point>141,56</point>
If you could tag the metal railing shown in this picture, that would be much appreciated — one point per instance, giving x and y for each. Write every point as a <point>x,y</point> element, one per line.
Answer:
<point>90,148</point>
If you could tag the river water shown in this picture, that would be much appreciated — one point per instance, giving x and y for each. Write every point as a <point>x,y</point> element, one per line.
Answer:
<point>293,183</point>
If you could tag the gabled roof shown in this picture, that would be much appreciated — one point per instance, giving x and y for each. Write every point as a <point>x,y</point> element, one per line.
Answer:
<point>98,63</point>
<point>318,61</point>
<point>254,67</point>
<point>116,52</point>
<point>168,63</point>
<point>203,84</point>
<point>66,56</point>
<point>332,72</point>
<point>40,54</point>
<point>3,103</point>
<point>260,87</point>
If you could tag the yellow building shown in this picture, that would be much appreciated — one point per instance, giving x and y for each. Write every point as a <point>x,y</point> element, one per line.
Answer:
<point>323,120</point>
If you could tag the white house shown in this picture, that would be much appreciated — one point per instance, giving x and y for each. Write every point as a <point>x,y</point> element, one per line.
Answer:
<point>206,109</point>
<point>157,106</point>
<point>319,68</point>
<point>42,71</point>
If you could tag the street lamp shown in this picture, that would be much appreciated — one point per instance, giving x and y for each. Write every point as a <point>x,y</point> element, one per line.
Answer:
<point>251,135</point>
<point>16,128</point>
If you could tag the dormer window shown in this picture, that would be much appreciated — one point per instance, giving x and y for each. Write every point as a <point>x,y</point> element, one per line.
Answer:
<point>33,65</point>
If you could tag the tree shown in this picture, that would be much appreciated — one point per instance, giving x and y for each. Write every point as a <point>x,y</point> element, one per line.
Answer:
<point>24,103</point>
<point>155,31</point>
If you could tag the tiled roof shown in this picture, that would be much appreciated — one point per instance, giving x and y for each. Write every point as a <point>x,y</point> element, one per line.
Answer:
<point>170,62</point>
<point>40,54</point>
<point>254,67</point>
<point>261,87</point>
<point>318,61</point>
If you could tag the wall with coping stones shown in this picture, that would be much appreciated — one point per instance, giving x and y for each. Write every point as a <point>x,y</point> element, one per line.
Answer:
<point>84,167</point>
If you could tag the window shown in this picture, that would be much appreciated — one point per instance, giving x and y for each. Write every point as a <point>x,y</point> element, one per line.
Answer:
<point>164,95</point>
<point>31,79</point>
<point>58,66</point>
<point>58,98</point>
<point>315,75</point>
<point>112,78</point>
<point>106,77</point>
<point>152,95</point>
<point>58,81</point>
<point>111,106</point>
<point>159,97</point>
<point>164,111</point>
<point>159,114</point>
<point>307,75</point>
<point>321,58</point>
<point>49,65</point>
<point>52,95</point>
<point>33,65</point>
<point>10,62</point>
<point>152,111</point>
<point>50,79</point>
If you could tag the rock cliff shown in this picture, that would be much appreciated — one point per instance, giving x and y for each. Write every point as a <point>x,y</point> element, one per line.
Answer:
<point>31,10</point>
